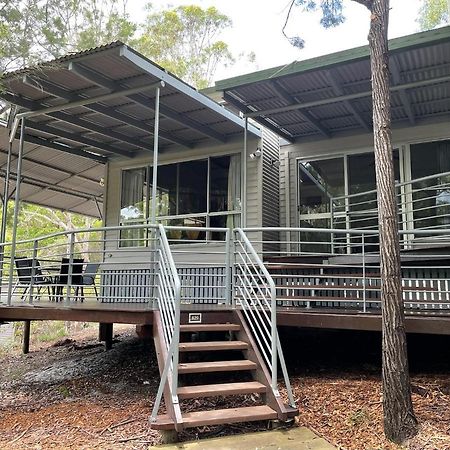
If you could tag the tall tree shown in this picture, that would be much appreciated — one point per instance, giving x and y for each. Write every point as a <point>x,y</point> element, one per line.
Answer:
<point>399,420</point>
<point>185,40</point>
<point>434,13</point>
<point>36,30</point>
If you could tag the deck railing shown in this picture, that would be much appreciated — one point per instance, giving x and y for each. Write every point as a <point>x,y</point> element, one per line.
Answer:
<point>169,304</point>
<point>254,293</point>
<point>423,204</point>
<point>310,274</point>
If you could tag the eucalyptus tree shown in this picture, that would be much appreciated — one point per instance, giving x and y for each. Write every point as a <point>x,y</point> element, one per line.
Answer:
<point>186,41</point>
<point>399,420</point>
<point>434,13</point>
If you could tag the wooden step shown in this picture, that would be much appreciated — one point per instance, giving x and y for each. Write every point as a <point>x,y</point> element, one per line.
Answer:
<point>212,346</point>
<point>216,366</point>
<point>218,416</point>
<point>212,390</point>
<point>192,328</point>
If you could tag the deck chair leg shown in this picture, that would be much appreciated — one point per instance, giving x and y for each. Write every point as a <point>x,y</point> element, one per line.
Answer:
<point>96,291</point>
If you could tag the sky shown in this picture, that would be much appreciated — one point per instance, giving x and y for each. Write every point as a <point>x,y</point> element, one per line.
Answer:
<point>257,26</point>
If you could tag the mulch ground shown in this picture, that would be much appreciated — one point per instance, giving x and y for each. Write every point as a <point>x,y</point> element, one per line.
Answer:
<point>77,396</point>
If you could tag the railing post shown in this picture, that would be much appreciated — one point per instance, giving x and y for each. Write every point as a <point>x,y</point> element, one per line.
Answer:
<point>70,268</point>
<point>364,272</point>
<point>332,224</point>
<point>228,280</point>
<point>33,270</point>
<point>274,341</point>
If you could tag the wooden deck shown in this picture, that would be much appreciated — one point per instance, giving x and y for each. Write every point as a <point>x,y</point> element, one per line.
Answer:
<point>432,322</point>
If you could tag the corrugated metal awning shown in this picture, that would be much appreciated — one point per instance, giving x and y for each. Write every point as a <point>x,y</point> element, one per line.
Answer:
<point>55,179</point>
<point>331,95</point>
<point>86,108</point>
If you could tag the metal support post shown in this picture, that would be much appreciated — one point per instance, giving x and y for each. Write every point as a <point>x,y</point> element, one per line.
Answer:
<point>155,157</point>
<point>228,283</point>
<point>26,336</point>
<point>5,214</point>
<point>244,177</point>
<point>364,272</point>
<point>154,190</point>
<point>16,211</point>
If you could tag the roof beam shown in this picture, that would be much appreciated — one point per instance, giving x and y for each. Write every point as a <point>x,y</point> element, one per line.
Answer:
<point>47,186</point>
<point>56,146</point>
<point>74,137</point>
<point>338,90</point>
<point>263,121</point>
<point>31,104</point>
<point>404,97</point>
<point>164,110</point>
<point>328,101</point>
<point>74,98</point>
<point>307,116</point>
<point>56,168</point>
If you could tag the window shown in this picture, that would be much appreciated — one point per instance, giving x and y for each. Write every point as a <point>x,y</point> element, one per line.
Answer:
<point>200,193</point>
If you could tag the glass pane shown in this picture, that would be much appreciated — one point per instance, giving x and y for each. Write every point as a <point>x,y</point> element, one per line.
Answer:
<point>133,196</point>
<point>224,184</point>
<point>166,190</point>
<point>319,182</point>
<point>361,180</point>
<point>133,206</point>
<point>431,197</point>
<point>186,235</point>
<point>315,242</point>
<point>193,176</point>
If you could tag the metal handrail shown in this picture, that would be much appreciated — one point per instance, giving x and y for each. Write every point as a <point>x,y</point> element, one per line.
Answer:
<point>169,301</point>
<point>257,295</point>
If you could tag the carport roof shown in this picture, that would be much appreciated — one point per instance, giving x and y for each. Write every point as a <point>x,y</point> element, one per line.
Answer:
<point>330,95</point>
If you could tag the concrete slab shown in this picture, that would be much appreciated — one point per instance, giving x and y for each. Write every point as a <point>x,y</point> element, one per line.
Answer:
<point>296,438</point>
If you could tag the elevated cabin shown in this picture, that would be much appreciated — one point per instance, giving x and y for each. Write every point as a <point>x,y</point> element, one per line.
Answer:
<point>321,109</point>
<point>230,220</point>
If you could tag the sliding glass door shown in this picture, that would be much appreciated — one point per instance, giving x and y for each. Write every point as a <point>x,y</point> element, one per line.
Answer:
<point>339,193</point>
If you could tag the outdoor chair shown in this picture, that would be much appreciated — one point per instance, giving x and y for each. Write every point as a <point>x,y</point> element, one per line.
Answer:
<point>30,274</point>
<point>62,280</point>
<point>88,279</point>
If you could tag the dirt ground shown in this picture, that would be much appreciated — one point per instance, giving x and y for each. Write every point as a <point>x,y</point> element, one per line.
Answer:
<point>74,395</point>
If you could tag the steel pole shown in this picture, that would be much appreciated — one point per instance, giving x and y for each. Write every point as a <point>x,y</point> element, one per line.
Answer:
<point>5,214</point>
<point>244,177</point>
<point>155,157</point>
<point>16,210</point>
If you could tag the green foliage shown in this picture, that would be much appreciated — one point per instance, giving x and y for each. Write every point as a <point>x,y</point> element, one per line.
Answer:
<point>185,41</point>
<point>433,13</point>
<point>35,30</point>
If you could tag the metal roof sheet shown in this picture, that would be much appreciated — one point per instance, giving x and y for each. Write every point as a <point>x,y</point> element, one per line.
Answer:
<point>311,97</point>
<point>55,179</point>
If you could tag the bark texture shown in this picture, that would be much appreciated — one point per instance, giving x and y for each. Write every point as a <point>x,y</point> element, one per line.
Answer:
<point>399,419</point>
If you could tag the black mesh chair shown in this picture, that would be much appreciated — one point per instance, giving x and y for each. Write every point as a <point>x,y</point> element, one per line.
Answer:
<point>88,279</point>
<point>30,274</point>
<point>62,280</point>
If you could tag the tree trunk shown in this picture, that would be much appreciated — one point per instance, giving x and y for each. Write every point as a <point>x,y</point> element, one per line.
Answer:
<point>399,420</point>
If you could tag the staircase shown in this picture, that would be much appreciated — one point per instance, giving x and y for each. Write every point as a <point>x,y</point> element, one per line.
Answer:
<point>218,361</point>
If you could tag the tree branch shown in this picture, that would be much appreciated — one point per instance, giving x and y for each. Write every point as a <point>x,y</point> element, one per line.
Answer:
<point>367,3</point>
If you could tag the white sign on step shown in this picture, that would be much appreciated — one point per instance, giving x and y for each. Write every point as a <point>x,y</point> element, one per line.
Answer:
<point>195,317</point>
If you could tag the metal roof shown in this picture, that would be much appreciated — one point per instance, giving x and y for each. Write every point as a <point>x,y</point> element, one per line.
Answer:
<point>331,95</point>
<point>85,108</point>
<point>55,179</point>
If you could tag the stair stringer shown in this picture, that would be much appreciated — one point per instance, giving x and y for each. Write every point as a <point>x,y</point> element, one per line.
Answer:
<point>173,410</point>
<point>261,373</point>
